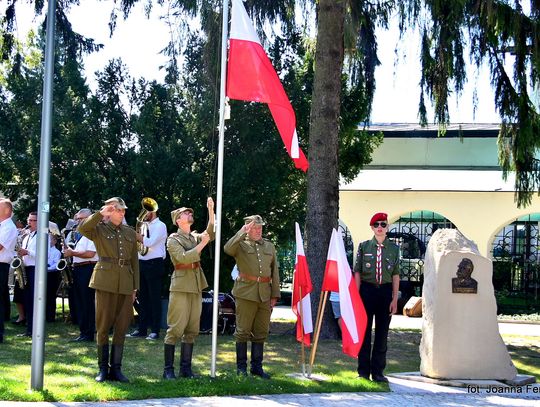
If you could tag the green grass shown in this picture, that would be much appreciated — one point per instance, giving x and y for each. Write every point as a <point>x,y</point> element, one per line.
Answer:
<point>70,367</point>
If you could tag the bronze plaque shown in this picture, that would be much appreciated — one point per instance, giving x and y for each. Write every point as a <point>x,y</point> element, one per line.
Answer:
<point>463,283</point>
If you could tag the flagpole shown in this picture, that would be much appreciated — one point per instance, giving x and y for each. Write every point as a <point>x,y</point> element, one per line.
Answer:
<point>224,36</point>
<point>322,303</point>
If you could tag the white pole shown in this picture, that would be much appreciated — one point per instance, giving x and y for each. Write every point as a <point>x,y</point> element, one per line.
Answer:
<point>40,277</point>
<point>224,37</point>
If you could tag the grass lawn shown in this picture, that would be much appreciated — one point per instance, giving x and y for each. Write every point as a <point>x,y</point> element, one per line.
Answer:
<point>70,367</point>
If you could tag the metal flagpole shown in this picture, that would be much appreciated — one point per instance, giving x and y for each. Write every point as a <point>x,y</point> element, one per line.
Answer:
<point>224,37</point>
<point>40,286</point>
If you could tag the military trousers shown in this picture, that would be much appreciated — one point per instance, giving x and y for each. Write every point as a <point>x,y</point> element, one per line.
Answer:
<point>183,317</point>
<point>113,311</point>
<point>252,320</point>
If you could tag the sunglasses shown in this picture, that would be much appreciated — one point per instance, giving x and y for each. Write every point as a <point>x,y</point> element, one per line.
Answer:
<point>381,224</point>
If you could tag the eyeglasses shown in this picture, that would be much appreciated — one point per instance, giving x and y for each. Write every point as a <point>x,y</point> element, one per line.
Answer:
<point>381,224</point>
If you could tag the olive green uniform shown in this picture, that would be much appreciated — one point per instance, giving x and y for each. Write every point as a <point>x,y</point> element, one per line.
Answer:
<point>187,283</point>
<point>115,276</point>
<point>254,259</point>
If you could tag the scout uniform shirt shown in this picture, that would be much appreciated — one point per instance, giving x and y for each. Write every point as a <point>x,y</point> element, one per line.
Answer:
<point>117,270</point>
<point>366,261</point>
<point>254,260</point>
<point>187,276</point>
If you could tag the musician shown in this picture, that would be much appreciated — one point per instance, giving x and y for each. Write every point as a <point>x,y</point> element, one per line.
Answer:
<point>187,283</point>
<point>8,239</point>
<point>84,257</point>
<point>152,269</point>
<point>256,290</point>
<point>116,280</point>
<point>18,293</point>
<point>53,279</point>
<point>28,254</point>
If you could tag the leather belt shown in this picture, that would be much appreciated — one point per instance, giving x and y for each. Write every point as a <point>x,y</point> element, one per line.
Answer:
<point>83,263</point>
<point>188,266</point>
<point>258,279</point>
<point>114,260</point>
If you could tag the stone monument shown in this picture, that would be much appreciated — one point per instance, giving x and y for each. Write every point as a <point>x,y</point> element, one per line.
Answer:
<point>460,335</point>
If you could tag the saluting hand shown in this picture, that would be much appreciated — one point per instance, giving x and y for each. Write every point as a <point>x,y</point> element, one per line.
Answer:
<point>107,210</point>
<point>247,228</point>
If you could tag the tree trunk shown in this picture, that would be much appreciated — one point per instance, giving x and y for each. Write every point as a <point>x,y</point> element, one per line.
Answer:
<point>323,175</point>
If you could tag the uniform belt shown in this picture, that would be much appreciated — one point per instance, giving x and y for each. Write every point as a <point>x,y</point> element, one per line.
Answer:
<point>258,279</point>
<point>114,260</point>
<point>83,263</point>
<point>189,266</point>
<point>377,285</point>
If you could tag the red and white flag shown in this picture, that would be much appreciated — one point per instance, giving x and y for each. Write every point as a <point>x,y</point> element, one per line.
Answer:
<point>251,77</point>
<point>338,277</point>
<point>302,284</point>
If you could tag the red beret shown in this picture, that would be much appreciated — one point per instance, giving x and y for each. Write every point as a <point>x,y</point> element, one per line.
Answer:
<point>378,217</point>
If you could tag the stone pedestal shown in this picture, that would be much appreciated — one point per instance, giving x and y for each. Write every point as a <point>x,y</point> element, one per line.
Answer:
<point>460,335</point>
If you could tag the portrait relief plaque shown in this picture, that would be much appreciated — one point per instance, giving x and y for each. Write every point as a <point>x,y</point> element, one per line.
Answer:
<point>463,283</point>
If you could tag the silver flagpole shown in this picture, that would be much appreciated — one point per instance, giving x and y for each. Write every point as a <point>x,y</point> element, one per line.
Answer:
<point>224,37</point>
<point>40,286</point>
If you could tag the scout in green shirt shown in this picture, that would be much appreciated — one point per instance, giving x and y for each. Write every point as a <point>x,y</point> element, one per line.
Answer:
<point>256,291</point>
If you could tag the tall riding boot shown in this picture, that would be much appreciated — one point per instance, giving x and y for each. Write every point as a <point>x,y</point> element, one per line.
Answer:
<point>115,373</point>
<point>257,352</point>
<point>103,362</point>
<point>241,358</point>
<point>186,353</point>
<point>168,371</point>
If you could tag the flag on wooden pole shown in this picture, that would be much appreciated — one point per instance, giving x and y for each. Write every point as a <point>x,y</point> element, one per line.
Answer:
<point>301,298</point>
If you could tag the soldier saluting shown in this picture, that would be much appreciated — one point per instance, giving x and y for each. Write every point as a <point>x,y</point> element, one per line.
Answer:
<point>256,290</point>
<point>116,280</point>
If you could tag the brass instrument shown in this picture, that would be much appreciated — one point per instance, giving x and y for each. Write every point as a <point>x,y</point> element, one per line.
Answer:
<point>65,265</point>
<point>17,263</point>
<point>148,205</point>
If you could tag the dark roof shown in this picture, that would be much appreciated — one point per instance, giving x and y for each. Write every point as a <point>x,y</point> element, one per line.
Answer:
<point>414,130</point>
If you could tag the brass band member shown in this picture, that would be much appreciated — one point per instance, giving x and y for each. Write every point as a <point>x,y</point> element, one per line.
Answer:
<point>8,239</point>
<point>53,279</point>
<point>116,280</point>
<point>28,254</point>
<point>84,259</point>
<point>187,283</point>
<point>256,290</point>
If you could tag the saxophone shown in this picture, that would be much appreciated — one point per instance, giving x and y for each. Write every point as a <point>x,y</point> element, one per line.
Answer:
<point>65,265</point>
<point>148,205</point>
<point>17,263</point>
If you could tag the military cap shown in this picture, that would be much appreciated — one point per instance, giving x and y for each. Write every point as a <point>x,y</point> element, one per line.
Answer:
<point>254,218</point>
<point>117,201</point>
<point>176,213</point>
<point>378,217</point>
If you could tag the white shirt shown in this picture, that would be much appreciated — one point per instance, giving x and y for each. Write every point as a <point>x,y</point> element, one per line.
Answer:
<point>8,239</point>
<point>52,258</point>
<point>29,243</point>
<point>84,244</point>
<point>155,241</point>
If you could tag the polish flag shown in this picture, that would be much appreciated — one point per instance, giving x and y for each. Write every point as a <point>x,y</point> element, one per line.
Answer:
<point>302,283</point>
<point>251,77</point>
<point>338,278</point>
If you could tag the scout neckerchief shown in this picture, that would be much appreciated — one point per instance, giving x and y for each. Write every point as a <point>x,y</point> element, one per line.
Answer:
<point>378,267</point>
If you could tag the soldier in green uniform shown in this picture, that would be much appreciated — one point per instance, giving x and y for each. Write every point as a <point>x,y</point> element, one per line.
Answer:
<point>115,279</point>
<point>187,283</point>
<point>377,275</point>
<point>256,290</point>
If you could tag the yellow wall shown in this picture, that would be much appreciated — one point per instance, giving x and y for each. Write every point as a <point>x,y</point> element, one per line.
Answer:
<point>478,215</point>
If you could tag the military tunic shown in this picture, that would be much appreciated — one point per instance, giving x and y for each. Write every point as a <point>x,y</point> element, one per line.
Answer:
<point>376,299</point>
<point>187,283</point>
<point>256,284</point>
<point>115,276</point>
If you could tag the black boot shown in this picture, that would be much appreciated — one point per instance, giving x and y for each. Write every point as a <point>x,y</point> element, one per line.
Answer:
<point>186,353</point>
<point>257,352</point>
<point>103,363</point>
<point>115,374</point>
<point>241,358</point>
<point>168,371</point>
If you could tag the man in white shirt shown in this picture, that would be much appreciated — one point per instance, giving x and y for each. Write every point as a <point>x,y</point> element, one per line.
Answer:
<point>53,279</point>
<point>28,254</point>
<point>152,269</point>
<point>8,239</point>
<point>84,258</point>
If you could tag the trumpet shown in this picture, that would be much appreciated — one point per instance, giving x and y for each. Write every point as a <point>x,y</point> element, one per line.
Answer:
<point>148,205</point>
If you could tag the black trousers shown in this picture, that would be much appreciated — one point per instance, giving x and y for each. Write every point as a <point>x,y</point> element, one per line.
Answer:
<point>4,271</point>
<point>53,280</point>
<point>85,300</point>
<point>377,301</point>
<point>29,297</point>
<point>151,279</point>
